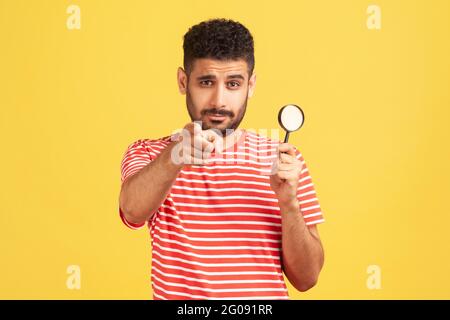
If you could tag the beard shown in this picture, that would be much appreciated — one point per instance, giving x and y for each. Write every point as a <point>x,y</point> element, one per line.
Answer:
<point>226,126</point>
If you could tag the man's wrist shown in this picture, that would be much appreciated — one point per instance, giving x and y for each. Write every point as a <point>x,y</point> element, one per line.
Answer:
<point>173,157</point>
<point>291,205</point>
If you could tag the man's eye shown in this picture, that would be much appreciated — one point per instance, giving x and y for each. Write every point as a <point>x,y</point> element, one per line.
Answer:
<point>206,83</point>
<point>234,84</point>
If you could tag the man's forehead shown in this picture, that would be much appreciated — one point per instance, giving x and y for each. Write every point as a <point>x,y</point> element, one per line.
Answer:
<point>207,66</point>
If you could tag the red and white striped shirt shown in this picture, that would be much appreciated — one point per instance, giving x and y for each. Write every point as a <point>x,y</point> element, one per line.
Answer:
<point>217,235</point>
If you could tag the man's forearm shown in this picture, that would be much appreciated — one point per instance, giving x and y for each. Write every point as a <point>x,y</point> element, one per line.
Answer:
<point>302,252</point>
<point>142,193</point>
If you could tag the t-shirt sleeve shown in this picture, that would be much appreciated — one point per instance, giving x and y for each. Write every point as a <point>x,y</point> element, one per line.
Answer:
<point>136,157</point>
<point>307,197</point>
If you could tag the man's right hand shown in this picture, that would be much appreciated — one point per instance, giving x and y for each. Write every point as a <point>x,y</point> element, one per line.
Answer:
<point>195,145</point>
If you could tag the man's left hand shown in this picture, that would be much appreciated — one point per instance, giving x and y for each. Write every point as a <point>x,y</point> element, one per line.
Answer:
<point>285,174</point>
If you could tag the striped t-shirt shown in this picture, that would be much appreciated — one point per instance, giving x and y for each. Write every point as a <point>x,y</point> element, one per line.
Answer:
<point>217,235</point>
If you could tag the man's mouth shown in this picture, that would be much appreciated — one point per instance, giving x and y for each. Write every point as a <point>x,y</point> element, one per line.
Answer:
<point>217,117</point>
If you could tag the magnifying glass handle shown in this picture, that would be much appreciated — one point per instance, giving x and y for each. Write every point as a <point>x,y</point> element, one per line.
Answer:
<point>286,137</point>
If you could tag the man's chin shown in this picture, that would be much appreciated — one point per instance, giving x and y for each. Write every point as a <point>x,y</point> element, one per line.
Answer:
<point>221,126</point>
<point>224,130</point>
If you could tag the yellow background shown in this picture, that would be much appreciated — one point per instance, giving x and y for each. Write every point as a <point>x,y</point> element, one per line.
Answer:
<point>376,136</point>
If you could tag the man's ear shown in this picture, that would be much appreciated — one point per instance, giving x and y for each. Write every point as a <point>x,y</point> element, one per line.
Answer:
<point>251,85</point>
<point>182,80</point>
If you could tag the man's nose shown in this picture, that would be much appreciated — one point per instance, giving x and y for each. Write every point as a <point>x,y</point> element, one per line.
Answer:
<point>218,97</point>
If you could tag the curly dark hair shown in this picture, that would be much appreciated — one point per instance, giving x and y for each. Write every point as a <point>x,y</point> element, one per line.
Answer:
<point>219,39</point>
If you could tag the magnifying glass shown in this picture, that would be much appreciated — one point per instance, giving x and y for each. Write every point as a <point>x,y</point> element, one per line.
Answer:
<point>290,118</point>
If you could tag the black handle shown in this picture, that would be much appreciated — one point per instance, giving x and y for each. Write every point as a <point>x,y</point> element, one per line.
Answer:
<point>286,137</point>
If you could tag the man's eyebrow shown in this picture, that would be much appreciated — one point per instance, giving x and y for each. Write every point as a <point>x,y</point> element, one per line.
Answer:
<point>236,76</point>
<point>206,77</point>
<point>213,77</point>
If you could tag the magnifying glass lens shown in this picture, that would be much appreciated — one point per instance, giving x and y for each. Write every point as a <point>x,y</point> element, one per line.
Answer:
<point>290,118</point>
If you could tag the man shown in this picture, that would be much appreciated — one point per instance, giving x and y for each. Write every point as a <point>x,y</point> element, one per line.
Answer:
<point>228,210</point>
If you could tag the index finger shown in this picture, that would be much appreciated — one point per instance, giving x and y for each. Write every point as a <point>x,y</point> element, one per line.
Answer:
<point>287,148</point>
<point>210,135</point>
<point>214,137</point>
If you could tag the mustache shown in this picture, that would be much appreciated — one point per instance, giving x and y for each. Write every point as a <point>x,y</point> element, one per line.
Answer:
<point>217,111</point>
